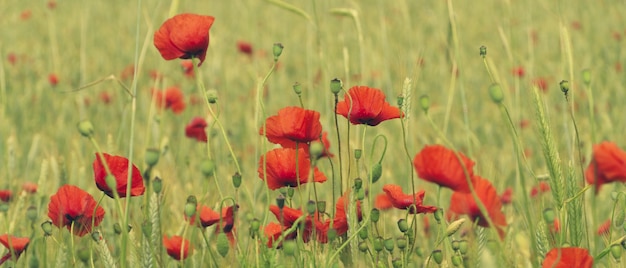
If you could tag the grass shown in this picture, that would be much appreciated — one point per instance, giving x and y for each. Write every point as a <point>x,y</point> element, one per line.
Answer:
<point>375,43</point>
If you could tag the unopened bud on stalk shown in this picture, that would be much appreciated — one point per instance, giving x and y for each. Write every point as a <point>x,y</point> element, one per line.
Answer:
<point>483,51</point>
<point>377,172</point>
<point>111,181</point>
<point>363,233</point>
<point>378,244</point>
<point>46,226</point>
<point>419,251</point>
<point>496,94</point>
<point>425,103</point>
<point>389,244</point>
<point>438,215</point>
<point>222,244</point>
<point>211,96</point>
<point>290,192</point>
<point>455,245</point>
<point>310,207</point>
<point>277,50</point>
<point>400,100</point>
<point>297,88</point>
<point>564,84</point>
<point>358,183</point>
<point>403,225</point>
<point>457,260</point>
<point>236,180</point>
<point>454,227</point>
<point>191,206</point>
<point>358,153</point>
<point>437,256</point>
<point>85,128</point>
<point>402,243</point>
<point>83,255</point>
<point>157,185</point>
<point>587,76</point>
<point>207,167</point>
<point>335,86</point>
<point>152,156</point>
<point>360,194</point>
<point>375,215</point>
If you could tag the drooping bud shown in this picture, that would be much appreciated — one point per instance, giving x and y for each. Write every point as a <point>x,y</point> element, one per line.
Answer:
<point>360,194</point>
<point>454,226</point>
<point>400,100</point>
<point>496,94</point>
<point>335,86</point>
<point>455,245</point>
<point>290,192</point>
<point>31,213</point>
<point>463,246</point>
<point>277,50</point>
<point>396,262</point>
<point>85,128</point>
<point>377,172</point>
<point>564,84</point>
<point>191,206</point>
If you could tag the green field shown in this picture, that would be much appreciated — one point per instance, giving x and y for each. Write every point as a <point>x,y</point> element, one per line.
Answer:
<point>528,108</point>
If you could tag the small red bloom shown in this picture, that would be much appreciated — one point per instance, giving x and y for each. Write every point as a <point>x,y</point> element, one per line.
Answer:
<point>18,244</point>
<point>171,98</point>
<point>400,200</point>
<point>438,164</point>
<point>196,129</point>
<point>177,247</point>
<point>105,97</point>
<point>118,166</point>
<point>568,258</point>
<point>607,165</point>
<point>53,79</point>
<point>293,125</point>
<point>463,203</point>
<point>26,14</point>
<point>507,196</point>
<point>128,72</point>
<point>541,83</point>
<point>244,47</point>
<point>605,227</point>
<point>542,187</point>
<point>71,205</point>
<point>6,195</point>
<point>524,123</point>
<point>518,71</point>
<point>556,226</point>
<point>281,168</point>
<point>52,4</point>
<point>12,58</point>
<point>29,187</point>
<point>184,36</point>
<point>187,66</point>
<point>365,105</point>
<point>209,217</point>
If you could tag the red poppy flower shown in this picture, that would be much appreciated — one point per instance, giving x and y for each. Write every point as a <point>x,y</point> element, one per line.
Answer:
<point>607,165</point>
<point>463,203</point>
<point>605,227</point>
<point>507,196</point>
<point>281,168</point>
<point>71,205</point>
<point>53,79</point>
<point>568,258</point>
<point>293,125</point>
<point>52,4</point>
<point>105,97</point>
<point>273,231</point>
<point>400,200</point>
<point>383,202</point>
<point>518,71</point>
<point>17,244</point>
<point>187,66</point>
<point>118,166</point>
<point>6,195</point>
<point>171,98</point>
<point>128,72</point>
<point>184,36</point>
<point>440,165</point>
<point>29,187</point>
<point>209,217</point>
<point>287,217</point>
<point>340,221</point>
<point>541,83</point>
<point>369,106</point>
<point>244,47</point>
<point>12,58</point>
<point>25,15</point>
<point>542,187</point>
<point>177,247</point>
<point>196,129</point>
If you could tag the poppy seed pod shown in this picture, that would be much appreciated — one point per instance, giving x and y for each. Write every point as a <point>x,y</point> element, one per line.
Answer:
<point>236,180</point>
<point>297,88</point>
<point>332,234</point>
<point>277,50</point>
<point>378,244</point>
<point>401,243</point>
<point>157,185</point>
<point>222,244</point>
<point>375,215</point>
<point>311,207</point>
<point>437,256</point>
<point>363,246</point>
<point>191,206</point>
<point>403,225</point>
<point>335,86</point>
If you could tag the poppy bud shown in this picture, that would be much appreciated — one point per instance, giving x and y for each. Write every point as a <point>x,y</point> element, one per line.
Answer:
<point>587,76</point>
<point>290,192</point>
<point>152,157</point>
<point>236,179</point>
<point>454,227</point>
<point>419,251</point>
<point>437,256</point>
<point>157,185</point>
<point>46,226</point>
<point>363,246</point>
<point>117,228</point>
<point>335,86</point>
<point>375,215</point>
<point>33,261</point>
<point>402,243</point>
<point>280,201</point>
<point>616,251</point>
<point>316,149</point>
<point>331,234</point>
<point>396,262</point>
<point>360,194</point>
<point>358,183</point>
<point>389,244</point>
<point>207,167</point>
<point>211,96</point>
<point>377,172</point>
<point>496,94</point>
<point>289,247</point>
<point>111,181</point>
<point>310,207</point>
<point>463,246</point>
<point>425,103</point>
<point>378,244</point>
<point>297,88</point>
<point>321,206</point>
<point>85,128</point>
<point>96,236</point>
<point>358,153</point>
<point>277,50</point>
<point>363,233</point>
<point>548,215</point>
<point>455,245</point>
<point>564,84</point>
<point>31,213</point>
<point>222,244</point>
<point>438,215</point>
<point>400,100</point>
<point>191,206</point>
<point>403,225</point>
<point>483,51</point>
<point>457,260</point>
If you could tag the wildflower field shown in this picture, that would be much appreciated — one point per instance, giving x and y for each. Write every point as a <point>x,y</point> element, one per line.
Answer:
<point>284,133</point>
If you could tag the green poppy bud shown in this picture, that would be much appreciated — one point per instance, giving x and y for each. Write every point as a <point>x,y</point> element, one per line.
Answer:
<point>403,225</point>
<point>377,172</point>
<point>616,252</point>
<point>83,255</point>
<point>46,226</point>
<point>375,215</point>
<point>335,86</point>
<point>31,213</point>
<point>277,50</point>
<point>496,94</point>
<point>207,167</point>
<point>316,149</point>
<point>111,181</point>
<point>463,246</point>
<point>396,262</point>
<point>236,180</point>
<point>437,256</point>
<point>289,247</point>
<point>400,100</point>
<point>389,244</point>
<point>85,128</point>
<point>222,244</point>
<point>152,157</point>
<point>401,242</point>
<point>378,244</point>
<point>455,245</point>
<point>363,233</point>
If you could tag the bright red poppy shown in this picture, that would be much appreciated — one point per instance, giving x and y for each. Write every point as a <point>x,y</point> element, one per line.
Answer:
<point>396,198</point>
<point>18,244</point>
<point>568,258</point>
<point>281,168</point>
<point>340,221</point>
<point>73,206</point>
<point>464,203</point>
<point>607,165</point>
<point>289,216</point>
<point>438,164</point>
<point>293,125</point>
<point>542,187</point>
<point>244,47</point>
<point>367,106</point>
<point>177,247</point>
<point>196,129</point>
<point>209,217</point>
<point>184,36</point>
<point>171,98</point>
<point>118,166</point>
<point>6,195</point>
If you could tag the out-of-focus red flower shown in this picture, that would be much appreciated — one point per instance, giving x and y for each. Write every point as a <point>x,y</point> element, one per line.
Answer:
<point>524,123</point>
<point>12,58</point>
<point>53,79</point>
<point>556,226</point>
<point>209,217</point>
<point>184,36</point>
<point>171,98</point>
<point>17,244</point>
<point>367,106</point>
<point>105,97</point>
<point>281,168</point>
<point>71,205</point>
<point>177,247</point>
<point>438,164</point>
<point>618,67</point>
<point>187,67</point>
<point>196,129</point>
<point>568,258</point>
<point>128,72</point>
<point>6,195</point>
<point>463,203</point>
<point>542,187</point>
<point>29,187</point>
<point>541,83</point>
<point>507,196</point>
<point>244,47</point>
<point>293,125</point>
<point>605,227</point>
<point>400,200</point>
<point>26,14</point>
<point>617,36</point>
<point>118,166</point>
<point>52,4</point>
<point>518,71</point>
<point>156,75</point>
<point>576,25</point>
<point>607,165</point>
<point>383,202</point>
